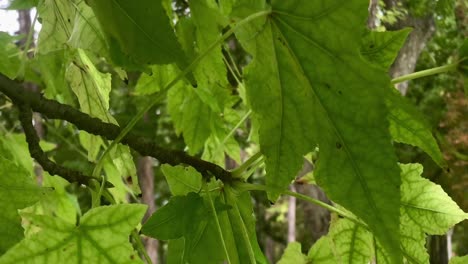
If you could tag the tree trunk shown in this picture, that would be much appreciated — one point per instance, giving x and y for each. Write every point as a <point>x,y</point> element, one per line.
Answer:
<point>423,30</point>
<point>373,9</point>
<point>438,250</point>
<point>146,179</point>
<point>292,216</point>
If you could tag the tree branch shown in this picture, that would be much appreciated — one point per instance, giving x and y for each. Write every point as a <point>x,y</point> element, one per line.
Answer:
<point>25,117</point>
<point>54,110</point>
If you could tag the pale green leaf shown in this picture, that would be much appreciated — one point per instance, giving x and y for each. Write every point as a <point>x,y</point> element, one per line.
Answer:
<point>90,86</point>
<point>113,175</point>
<point>322,252</point>
<point>308,85</point>
<point>9,55</point>
<point>426,204</point>
<point>459,260</point>
<point>57,18</point>
<point>182,180</point>
<point>160,77</point>
<point>52,67</point>
<point>102,236</point>
<point>57,202</point>
<point>92,89</point>
<point>15,148</point>
<point>86,33</point>
<point>293,255</point>
<point>191,116</point>
<point>413,241</point>
<point>210,72</point>
<point>141,30</point>
<point>17,191</point>
<point>348,242</point>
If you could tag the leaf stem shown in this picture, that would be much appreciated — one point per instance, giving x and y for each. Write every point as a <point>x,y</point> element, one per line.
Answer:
<point>218,225</point>
<point>424,73</point>
<point>180,76</point>
<point>239,170</point>
<point>230,198</point>
<point>259,187</point>
<point>139,246</point>
<point>237,126</point>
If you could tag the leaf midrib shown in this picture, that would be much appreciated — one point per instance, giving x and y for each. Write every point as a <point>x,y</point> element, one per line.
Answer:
<point>327,115</point>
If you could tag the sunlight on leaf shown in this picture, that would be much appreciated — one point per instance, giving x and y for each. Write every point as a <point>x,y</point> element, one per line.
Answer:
<point>87,33</point>
<point>57,23</point>
<point>182,180</point>
<point>426,204</point>
<point>101,237</point>
<point>348,243</point>
<point>293,255</point>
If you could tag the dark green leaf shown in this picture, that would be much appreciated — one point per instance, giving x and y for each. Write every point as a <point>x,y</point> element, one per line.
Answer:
<point>141,30</point>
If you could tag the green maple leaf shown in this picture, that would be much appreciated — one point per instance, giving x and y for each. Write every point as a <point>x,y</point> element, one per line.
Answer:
<point>92,89</point>
<point>101,237</point>
<point>186,218</point>
<point>293,255</point>
<point>346,242</point>
<point>407,124</point>
<point>138,32</point>
<point>86,33</point>
<point>425,203</point>
<point>17,191</point>
<point>381,48</point>
<point>309,85</point>
<point>57,23</point>
<point>182,180</point>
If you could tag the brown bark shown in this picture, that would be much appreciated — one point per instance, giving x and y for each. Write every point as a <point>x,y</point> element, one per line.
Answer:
<point>25,26</point>
<point>438,250</point>
<point>423,30</point>
<point>372,19</point>
<point>146,180</point>
<point>313,219</point>
<point>292,216</point>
